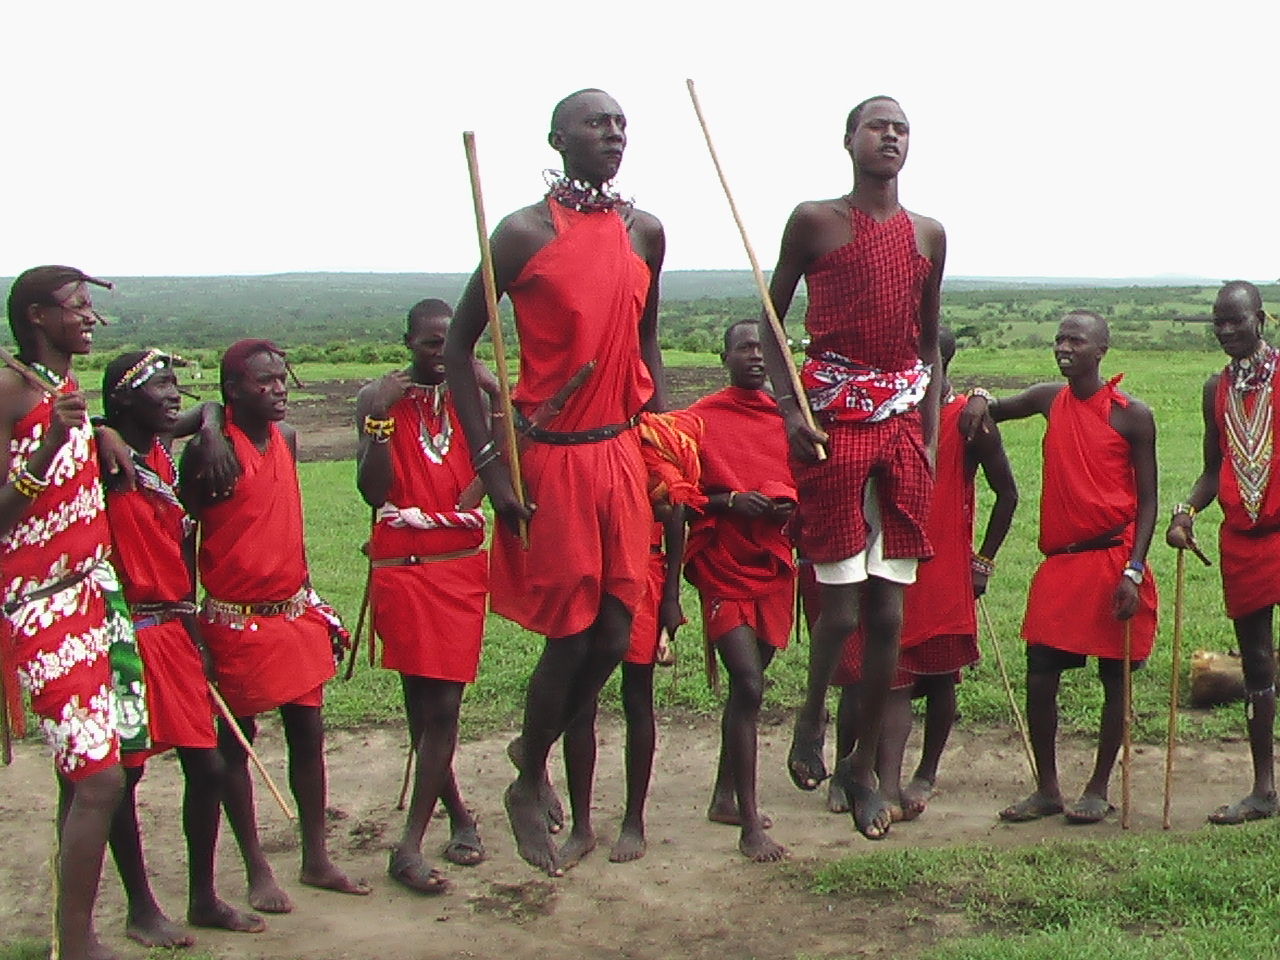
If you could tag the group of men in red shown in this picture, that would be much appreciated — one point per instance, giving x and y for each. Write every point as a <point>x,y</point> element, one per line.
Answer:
<point>880,481</point>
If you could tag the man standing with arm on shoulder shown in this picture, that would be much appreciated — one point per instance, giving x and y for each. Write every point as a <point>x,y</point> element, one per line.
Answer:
<point>874,275</point>
<point>1097,514</point>
<point>1239,406</point>
<point>430,576</point>
<point>581,267</point>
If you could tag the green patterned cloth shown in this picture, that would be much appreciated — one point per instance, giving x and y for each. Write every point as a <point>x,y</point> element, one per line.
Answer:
<point>129,691</point>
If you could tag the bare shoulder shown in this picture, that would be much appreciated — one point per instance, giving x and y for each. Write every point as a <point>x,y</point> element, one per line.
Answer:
<point>928,230</point>
<point>1137,410</point>
<point>290,436</point>
<point>1043,394</point>
<point>644,221</point>
<point>1211,385</point>
<point>14,401</point>
<point>815,212</point>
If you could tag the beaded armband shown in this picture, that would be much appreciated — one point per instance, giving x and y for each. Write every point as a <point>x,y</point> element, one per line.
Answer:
<point>983,565</point>
<point>380,431</point>
<point>1182,508</point>
<point>29,485</point>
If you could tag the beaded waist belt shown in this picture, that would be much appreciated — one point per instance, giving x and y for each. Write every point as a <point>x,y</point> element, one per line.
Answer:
<point>66,583</point>
<point>1103,541</point>
<point>414,559</point>
<point>154,614</point>
<point>234,614</point>
<point>594,435</point>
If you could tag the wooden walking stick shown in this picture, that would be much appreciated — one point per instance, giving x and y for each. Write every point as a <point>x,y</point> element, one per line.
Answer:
<point>1018,720</point>
<point>1175,675</point>
<point>408,773</point>
<point>1126,756</point>
<point>364,611</point>
<point>775,322</point>
<point>6,731</point>
<point>33,379</point>
<point>248,748</point>
<point>495,328</point>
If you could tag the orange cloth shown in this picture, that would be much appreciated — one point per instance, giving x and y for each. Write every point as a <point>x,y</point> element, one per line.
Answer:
<point>1249,550</point>
<point>669,444</point>
<point>430,616</point>
<point>147,534</point>
<point>251,551</point>
<point>644,624</point>
<point>1089,490</point>
<point>735,558</point>
<point>579,298</point>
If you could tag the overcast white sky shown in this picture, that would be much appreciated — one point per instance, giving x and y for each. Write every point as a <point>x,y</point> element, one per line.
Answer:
<point>1105,139</point>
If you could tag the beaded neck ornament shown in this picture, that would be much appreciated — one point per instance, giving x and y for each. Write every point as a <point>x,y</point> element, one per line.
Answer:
<point>1250,432</point>
<point>580,195</point>
<point>429,399</point>
<point>1254,371</point>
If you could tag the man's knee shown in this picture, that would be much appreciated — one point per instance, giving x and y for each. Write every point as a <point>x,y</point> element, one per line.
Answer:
<point>637,691</point>
<point>100,791</point>
<point>746,689</point>
<point>303,728</point>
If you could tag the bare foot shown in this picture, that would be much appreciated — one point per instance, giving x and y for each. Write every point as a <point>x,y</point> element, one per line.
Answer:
<point>410,870</point>
<point>915,797</point>
<point>725,811</point>
<point>872,815</point>
<point>157,930</point>
<point>758,847</point>
<point>575,848</point>
<point>266,894</point>
<point>529,824</point>
<point>837,799</point>
<point>328,876</point>
<point>547,796</point>
<point>630,844</point>
<point>220,915</point>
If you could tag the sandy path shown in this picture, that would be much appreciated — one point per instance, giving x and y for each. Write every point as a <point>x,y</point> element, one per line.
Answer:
<point>691,896</point>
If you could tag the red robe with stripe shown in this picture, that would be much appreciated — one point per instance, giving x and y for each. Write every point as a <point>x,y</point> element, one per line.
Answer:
<point>1089,490</point>
<point>430,616</point>
<point>252,551</point>
<point>1249,549</point>
<point>147,533</point>
<point>743,566</point>
<point>577,299</point>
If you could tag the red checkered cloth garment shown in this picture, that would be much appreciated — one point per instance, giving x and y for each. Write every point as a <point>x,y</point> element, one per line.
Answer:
<point>864,304</point>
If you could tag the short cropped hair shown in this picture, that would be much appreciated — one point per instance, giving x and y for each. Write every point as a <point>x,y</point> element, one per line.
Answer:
<point>855,115</point>
<point>728,333</point>
<point>427,309</point>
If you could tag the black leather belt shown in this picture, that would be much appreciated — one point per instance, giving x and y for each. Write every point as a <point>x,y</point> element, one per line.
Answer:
<point>594,435</point>
<point>1103,541</point>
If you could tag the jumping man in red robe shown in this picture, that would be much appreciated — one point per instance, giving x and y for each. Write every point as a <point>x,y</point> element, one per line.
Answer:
<point>269,635</point>
<point>1097,514</point>
<point>1240,413</point>
<point>581,268</point>
<point>874,273</point>
<point>430,576</point>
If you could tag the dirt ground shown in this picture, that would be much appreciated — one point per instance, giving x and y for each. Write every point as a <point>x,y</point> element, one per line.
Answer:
<point>692,896</point>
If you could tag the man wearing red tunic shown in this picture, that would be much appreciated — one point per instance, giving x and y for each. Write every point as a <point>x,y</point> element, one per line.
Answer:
<point>740,559</point>
<point>1239,406</point>
<point>1097,513</point>
<point>60,624</point>
<point>874,272</point>
<point>267,631</point>
<point>581,267</point>
<point>940,628</point>
<point>154,544</point>
<point>430,585</point>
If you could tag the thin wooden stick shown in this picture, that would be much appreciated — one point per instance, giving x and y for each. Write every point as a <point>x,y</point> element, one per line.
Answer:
<point>21,369</point>
<point>1175,677</point>
<point>495,328</point>
<point>408,772</point>
<point>775,322</point>
<point>1018,720</point>
<point>364,611</point>
<point>248,748</point>
<point>1126,757</point>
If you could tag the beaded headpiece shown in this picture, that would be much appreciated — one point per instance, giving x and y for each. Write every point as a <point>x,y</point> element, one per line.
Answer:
<point>152,362</point>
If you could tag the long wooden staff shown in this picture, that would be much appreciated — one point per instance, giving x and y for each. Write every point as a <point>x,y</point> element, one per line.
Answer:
<point>6,732</point>
<point>248,748</point>
<point>33,379</point>
<point>495,327</point>
<point>1126,757</point>
<point>364,611</point>
<point>408,772</point>
<point>1018,720</point>
<point>1175,676</point>
<point>775,322</point>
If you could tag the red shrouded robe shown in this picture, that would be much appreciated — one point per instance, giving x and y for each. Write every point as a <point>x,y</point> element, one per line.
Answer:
<point>252,551</point>
<point>940,625</point>
<point>579,298</point>
<point>1249,548</point>
<point>147,532</point>
<point>430,616</point>
<point>1089,491</point>
<point>743,566</point>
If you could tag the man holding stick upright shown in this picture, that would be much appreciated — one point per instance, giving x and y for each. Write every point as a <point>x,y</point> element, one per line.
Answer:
<point>1239,406</point>
<point>1092,595</point>
<point>581,267</point>
<point>430,576</point>
<point>874,275</point>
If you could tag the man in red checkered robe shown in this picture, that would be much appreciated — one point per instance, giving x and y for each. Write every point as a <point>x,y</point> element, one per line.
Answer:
<point>873,272</point>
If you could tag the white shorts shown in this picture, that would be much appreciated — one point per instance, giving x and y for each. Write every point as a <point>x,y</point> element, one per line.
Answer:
<point>871,562</point>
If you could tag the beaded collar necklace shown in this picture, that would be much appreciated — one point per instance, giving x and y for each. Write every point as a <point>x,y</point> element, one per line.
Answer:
<point>580,195</point>
<point>1254,371</point>
<point>54,379</point>
<point>430,399</point>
